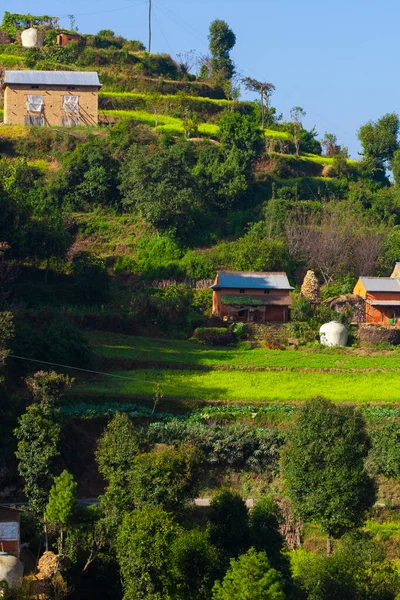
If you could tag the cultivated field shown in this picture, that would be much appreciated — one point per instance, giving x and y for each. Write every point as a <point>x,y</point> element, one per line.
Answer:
<point>186,371</point>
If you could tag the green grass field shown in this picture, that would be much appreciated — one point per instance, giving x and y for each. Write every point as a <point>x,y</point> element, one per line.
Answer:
<point>245,386</point>
<point>178,351</point>
<point>239,374</point>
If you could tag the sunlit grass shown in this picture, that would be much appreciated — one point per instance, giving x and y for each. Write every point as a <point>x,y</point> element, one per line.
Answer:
<point>142,348</point>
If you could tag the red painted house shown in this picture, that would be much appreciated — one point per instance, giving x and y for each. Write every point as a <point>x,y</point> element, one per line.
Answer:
<point>382,297</point>
<point>259,297</point>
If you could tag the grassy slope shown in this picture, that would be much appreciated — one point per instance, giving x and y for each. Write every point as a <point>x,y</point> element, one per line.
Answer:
<point>308,373</point>
<point>142,348</point>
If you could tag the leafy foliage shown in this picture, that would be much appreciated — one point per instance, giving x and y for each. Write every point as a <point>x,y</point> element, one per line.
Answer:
<point>323,466</point>
<point>250,576</point>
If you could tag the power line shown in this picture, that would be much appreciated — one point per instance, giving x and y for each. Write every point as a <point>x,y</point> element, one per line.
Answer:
<point>44,362</point>
<point>100,12</point>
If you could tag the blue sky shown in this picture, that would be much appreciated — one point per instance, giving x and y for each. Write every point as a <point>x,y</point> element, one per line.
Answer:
<point>338,60</point>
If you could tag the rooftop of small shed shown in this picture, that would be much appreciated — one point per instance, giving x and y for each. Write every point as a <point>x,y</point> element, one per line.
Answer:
<point>65,78</point>
<point>251,280</point>
<point>381,284</point>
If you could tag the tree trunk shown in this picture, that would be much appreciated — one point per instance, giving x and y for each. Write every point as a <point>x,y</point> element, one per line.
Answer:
<point>262,108</point>
<point>46,537</point>
<point>329,545</point>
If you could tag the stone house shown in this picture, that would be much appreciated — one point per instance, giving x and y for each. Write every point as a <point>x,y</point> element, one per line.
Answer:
<point>54,98</point>
<point>251,297</point>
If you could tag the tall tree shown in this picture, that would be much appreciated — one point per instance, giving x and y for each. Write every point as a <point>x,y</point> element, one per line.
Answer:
<point>143,552</point>
<point>323,466</point>
<point>265,90</point>
<point>222,40</point>
<point>379,138</point>
<point>296,115</point>
<point>62,504</point>
<point>228,523</point>
<point>38,435</point>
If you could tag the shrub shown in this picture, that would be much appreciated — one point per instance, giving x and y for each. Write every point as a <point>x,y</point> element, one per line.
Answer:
<point>214,336</point>
<point>91,279</point>
<point>236,446</point>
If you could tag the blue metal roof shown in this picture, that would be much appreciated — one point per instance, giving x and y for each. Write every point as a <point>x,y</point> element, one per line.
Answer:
<point>65,78</point>
<point>252,281</point>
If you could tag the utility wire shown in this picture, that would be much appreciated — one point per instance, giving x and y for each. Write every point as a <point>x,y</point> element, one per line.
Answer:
<point>44,362</point>
<point>99,12</point>
<point>195,33</point>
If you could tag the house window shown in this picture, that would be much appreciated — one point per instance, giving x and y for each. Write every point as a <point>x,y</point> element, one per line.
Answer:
<point>266,291</point>
<point>34,120</point>
<point>241,291</point>
<point>70,121</point>
<point>34,103</point>
<point>71,105</point>
<point>34,87</point>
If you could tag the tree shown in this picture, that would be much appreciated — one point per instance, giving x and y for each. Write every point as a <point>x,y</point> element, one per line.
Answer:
<point>116,451</point>
<point>38,435</point>
<point>159,185</point>
<point>250,576</point>
<point>265,90</point>
<point>331,147</point>
<point>228,523</point>
<point>384,456</point>
<point>396,167</point>
<point>91,278</point>
<point>296,115</point>
<point>358,568</point>
<point>222,40</point>
<point>323,467</point>
<point>143,551</point>
<point>264,531</point>
<point>379,138</point>
<point>168,478</point>
<point>195,564</point>
<point>62,504</point>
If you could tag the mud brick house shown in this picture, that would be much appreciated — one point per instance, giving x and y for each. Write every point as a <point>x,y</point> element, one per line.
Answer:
<point>382,297</point>
<point>55,98</point>
<point>63,39</point>
<point>248,297</point>
<point>9,530</point>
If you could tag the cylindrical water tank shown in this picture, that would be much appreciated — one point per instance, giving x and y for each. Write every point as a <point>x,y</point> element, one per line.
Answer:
<point>31,38</point>
<point>11,569</point>
<point>333,334</point>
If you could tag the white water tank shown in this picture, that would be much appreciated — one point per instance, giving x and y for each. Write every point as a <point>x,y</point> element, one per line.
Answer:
<point>11,569</point>
<point>31,38</point>
<point>333,334</point>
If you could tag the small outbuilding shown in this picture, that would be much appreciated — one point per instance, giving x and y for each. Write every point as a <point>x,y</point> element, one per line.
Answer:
<point>10,539</point>
<point>63,39</point>
<point>55,98</point>
<point>251,297</point>
<point>382,297</point>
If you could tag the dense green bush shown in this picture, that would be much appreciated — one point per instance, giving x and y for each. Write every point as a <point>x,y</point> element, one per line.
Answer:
<point>91,278</point>
<point>214,336</point>
<point>237,446</point>
<point>384,456</point>
<point>57,341</point>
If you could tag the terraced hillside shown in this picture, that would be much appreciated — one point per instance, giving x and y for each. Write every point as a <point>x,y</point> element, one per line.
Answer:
<point>191,375</point>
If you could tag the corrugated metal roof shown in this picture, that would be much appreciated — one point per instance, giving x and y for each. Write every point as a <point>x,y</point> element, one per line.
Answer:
<point>383,302</point>
<point>83,78</point>
<point>252,281</point>
<point>381,284</point>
